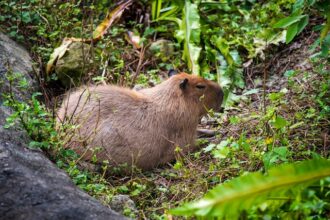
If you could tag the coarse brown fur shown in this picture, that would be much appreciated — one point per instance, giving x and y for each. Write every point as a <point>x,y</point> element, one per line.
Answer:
<point>140,128</point>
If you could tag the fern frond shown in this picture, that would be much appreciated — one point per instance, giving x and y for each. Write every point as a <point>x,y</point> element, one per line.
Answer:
<point>228,200</point>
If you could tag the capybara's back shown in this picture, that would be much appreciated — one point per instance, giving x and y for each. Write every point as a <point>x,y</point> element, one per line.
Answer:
<point>139,128</point>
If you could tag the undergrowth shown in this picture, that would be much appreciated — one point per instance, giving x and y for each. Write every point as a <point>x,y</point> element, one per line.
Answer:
<point>293,125</point>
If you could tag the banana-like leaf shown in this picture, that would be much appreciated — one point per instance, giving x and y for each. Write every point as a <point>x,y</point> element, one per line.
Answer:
<point>97,34</point>
<point>110,18</point>
<point>228,200</point>
<point>191,29</point>
<point>57,54</point>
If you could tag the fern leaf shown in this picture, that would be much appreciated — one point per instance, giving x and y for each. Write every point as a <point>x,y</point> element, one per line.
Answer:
<point>228,200</point>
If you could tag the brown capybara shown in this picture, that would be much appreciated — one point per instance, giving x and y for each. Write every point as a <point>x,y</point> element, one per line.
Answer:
<point>140,128</point>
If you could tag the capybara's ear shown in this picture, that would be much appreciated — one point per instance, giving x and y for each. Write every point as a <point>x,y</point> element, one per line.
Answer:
<point>183,83</point>
<point>172,72</point>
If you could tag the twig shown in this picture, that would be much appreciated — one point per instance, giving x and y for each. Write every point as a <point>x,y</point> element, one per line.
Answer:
<point>139,66</point>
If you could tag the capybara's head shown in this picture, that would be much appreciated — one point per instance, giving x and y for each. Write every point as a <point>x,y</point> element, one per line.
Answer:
<point>207,94</point>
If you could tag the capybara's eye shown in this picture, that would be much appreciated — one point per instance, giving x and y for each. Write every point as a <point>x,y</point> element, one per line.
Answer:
<point>200,86</point>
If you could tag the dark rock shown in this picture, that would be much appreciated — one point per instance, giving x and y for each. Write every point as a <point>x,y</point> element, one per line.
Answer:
<point>31,186</point>
<point>15,58</point>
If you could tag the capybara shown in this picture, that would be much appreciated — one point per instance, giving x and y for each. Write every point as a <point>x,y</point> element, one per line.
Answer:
<point>140,128</point>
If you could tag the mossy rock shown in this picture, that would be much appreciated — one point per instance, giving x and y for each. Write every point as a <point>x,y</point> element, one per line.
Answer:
<point>163,49</point>
<point>75,63</point>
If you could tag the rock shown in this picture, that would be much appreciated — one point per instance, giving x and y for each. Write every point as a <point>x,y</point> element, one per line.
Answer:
<point>75,63</point>
<point>15,58</point>
<point>18,58</point>
<point>122,204</point>
<point>163,49</point>
<point>31,186</point>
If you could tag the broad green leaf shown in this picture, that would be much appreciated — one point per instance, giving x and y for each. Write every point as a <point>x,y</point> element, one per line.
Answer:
<point>285,22</point>
<point>302,24</point>
<point>280,122</point>
<point>222,150</point>
<point>291,32</point>
<point>221,153</point>
<point>230,199</point>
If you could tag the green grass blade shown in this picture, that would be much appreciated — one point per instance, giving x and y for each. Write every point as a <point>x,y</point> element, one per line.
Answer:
<point>156,6</point>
